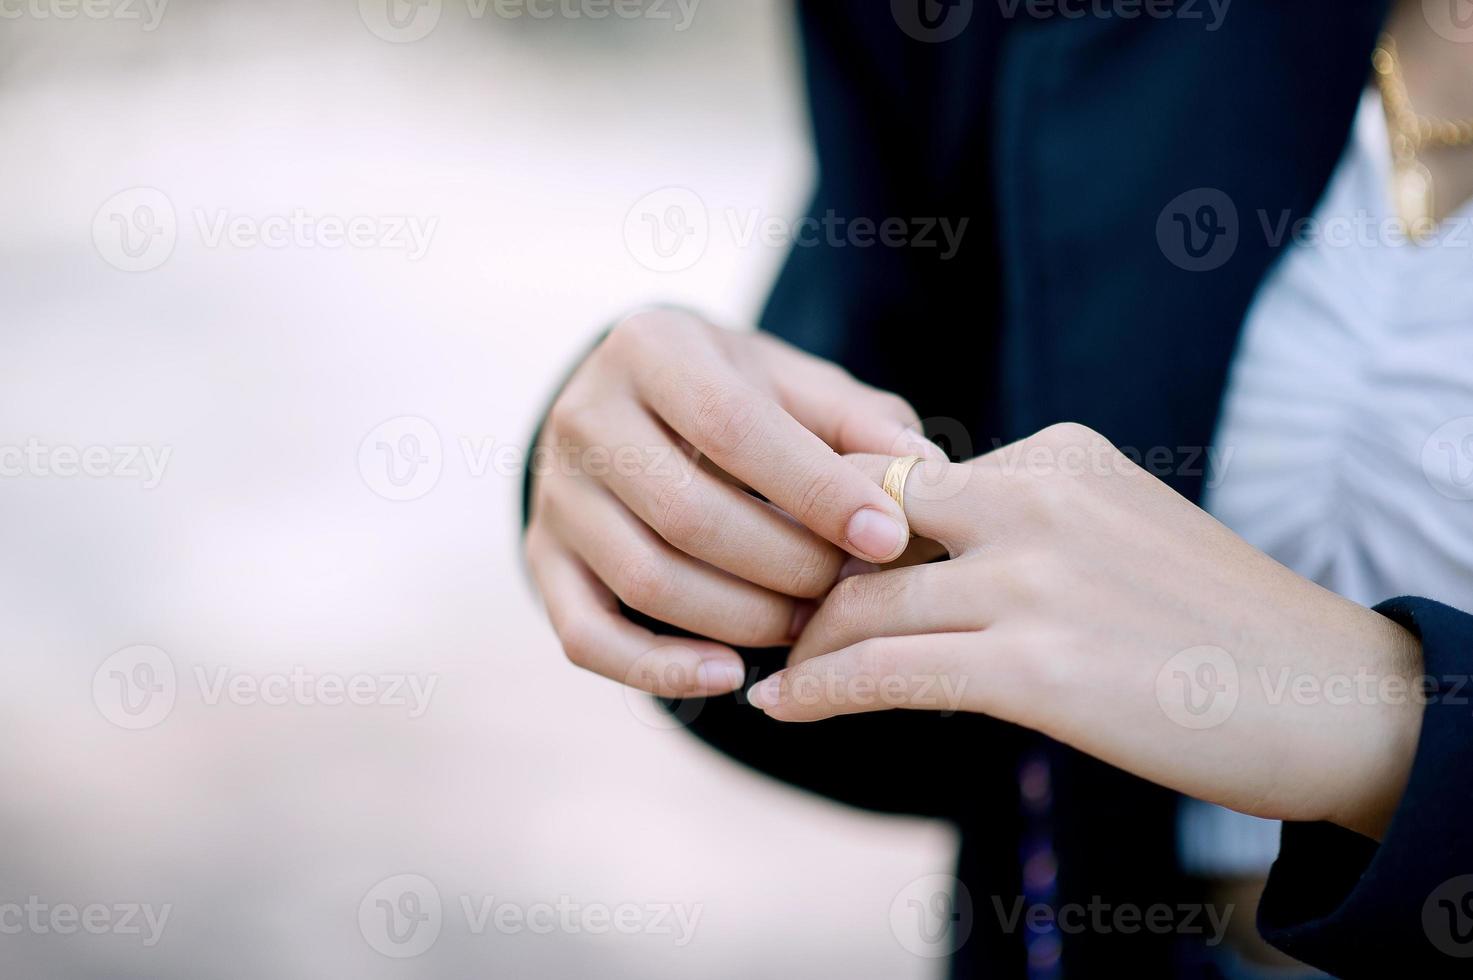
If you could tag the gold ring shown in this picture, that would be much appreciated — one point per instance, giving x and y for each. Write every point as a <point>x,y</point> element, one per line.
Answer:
<point>896,476</point>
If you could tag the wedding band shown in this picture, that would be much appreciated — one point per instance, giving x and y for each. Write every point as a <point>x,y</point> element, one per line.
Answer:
<point>896,476</point>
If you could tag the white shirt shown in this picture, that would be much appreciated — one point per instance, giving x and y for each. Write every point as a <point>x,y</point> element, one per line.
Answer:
<point>1346,439</point>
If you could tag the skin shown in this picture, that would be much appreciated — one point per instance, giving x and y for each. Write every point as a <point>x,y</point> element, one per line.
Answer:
<point>691,416</point>
<point>1065,597</point>
<point>1074,579</point>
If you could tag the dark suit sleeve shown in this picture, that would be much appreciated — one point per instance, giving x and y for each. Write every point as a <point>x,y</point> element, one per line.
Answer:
<point>1354,908</point>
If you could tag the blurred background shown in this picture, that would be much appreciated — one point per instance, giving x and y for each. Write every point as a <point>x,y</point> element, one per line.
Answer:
<point>285,287</point>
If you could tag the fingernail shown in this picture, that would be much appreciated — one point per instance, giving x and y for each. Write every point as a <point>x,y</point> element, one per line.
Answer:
<point>802,614</point>
<point>766,694</point>
<point>719,676</point>
<point>877,536</point>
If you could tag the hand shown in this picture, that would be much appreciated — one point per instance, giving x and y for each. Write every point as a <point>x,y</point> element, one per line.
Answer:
<point>641,495</point>
<point>1087,600</point>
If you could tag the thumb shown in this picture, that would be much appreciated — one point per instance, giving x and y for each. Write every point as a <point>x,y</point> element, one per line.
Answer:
<point>936,502</point>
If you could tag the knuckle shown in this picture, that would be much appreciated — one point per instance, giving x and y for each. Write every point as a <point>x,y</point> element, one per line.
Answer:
<point>724,420</point>
<point>1049,497</point>
<point>848,603</point>
<point>642,580</point>
<point>634,333</point>
<point>570,418</point>
<point>892,405</point>
<point>1046,663</point>
<point>760,623</point>
<point>812,574</point>
<point>1069,434</point>
<point>579,645</point>
<point>1028,579</point>
<point>858,600</point>
<point>817,498</point>
<point>544,508</point>
<point>681,516</point>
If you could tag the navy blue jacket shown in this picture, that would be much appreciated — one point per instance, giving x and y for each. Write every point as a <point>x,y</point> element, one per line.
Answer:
<point>1123,178</point>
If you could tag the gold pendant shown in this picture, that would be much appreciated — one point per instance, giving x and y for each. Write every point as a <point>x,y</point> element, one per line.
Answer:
<point>1411,192</point>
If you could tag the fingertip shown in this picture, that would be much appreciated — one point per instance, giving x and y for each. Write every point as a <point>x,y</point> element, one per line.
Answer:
<point>768,694</point>
<point>875,536</point>
<point>720,676</point>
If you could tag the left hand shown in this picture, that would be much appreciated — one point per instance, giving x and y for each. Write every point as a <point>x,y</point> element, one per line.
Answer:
<point>1087,600</point>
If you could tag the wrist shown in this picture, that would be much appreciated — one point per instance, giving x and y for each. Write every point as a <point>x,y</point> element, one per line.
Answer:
<point>1378,779</point>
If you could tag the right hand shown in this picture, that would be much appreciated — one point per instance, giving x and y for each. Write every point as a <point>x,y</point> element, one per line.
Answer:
<point>653,443</point>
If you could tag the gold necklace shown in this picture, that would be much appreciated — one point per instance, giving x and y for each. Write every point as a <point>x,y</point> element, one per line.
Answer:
<point>1411,134</point>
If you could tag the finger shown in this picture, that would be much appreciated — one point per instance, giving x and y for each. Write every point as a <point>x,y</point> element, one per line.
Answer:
<point>944,502</point>
<point>714,521</point>
<point>597,637</point>
<point>929,673</point>
<point>655,579</point>
<point>846,413</point>
<point>897,602</point>
<point>750,436</point>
